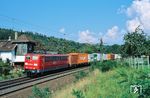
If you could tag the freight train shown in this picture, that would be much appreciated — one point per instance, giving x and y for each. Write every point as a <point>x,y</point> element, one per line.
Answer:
<point>40,63</point>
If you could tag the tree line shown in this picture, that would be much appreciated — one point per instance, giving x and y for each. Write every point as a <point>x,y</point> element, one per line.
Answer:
<point>135,43</point>
<point>60,45</point>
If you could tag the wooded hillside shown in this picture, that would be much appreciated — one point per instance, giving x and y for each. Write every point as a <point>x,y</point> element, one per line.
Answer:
<point>58,44</point>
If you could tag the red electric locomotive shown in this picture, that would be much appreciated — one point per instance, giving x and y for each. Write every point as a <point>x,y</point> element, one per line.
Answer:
<point>39,63</point>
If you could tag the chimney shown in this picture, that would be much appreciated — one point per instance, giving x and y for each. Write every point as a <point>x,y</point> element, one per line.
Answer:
<point>9,39</point>
<point>16,35</point>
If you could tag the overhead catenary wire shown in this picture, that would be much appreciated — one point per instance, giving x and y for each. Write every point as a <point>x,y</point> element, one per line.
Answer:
<point>16,21</point>
<point>20,22</point>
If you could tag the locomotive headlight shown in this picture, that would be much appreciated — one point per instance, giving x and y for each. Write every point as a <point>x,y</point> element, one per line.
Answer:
<point>35,64</point>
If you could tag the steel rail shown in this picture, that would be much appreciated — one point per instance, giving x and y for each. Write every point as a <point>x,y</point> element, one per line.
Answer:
<point>28,83</point>
<point>11,81</point>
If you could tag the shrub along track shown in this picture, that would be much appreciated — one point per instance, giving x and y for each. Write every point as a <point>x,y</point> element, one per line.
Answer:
<point>20,85</point>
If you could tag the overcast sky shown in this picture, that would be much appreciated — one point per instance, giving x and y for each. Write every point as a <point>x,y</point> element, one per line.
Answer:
<point>84,21</point>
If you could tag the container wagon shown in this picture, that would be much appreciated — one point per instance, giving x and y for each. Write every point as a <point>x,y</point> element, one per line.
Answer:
<point>76,59</point>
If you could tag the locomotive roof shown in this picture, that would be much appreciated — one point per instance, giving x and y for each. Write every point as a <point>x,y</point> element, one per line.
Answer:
<point>47,54</point>
<point>55,54</point>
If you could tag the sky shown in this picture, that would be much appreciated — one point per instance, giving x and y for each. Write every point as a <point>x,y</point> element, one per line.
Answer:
<point>84,21</point>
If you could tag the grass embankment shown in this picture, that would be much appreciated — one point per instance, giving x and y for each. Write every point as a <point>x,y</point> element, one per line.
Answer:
<point>114,83</point>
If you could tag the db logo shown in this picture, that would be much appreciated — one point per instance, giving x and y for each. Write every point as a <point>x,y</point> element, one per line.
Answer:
<point>136,89</point>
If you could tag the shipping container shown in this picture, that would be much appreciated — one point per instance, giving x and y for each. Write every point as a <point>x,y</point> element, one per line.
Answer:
<point>110,56</point>
<point>98,56</point>
<point>77,58</point>
<point>117,56</point>
<point>90,57</point>
<point>103,57</point>
<point>94,57</point>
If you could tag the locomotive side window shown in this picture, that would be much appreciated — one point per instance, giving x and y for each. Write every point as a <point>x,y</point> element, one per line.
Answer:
<point>50,58</point>
<point>55,58</point>
<point>28,57</point>
<point>46,59</point>
<point>64,57</point>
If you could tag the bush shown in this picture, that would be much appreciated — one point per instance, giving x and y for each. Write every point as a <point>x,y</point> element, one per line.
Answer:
<point>4,68</point>
<point>5,64</point>
<point>40,93</point>
<point>135,77</point>
<point>7,73</point>
<point>80,75</point>
<point>16,72</point>
<point>78,93</point>
<point>104,65</point>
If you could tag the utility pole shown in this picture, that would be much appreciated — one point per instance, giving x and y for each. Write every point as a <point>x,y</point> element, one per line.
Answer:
<point>101,45</point>
<point>101,48</point>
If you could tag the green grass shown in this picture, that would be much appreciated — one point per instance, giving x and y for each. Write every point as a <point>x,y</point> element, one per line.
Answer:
<point>112,83</point>
<point>116,84</point>
<point>106,85</point>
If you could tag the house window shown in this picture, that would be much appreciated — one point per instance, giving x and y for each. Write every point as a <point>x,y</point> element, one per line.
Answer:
<point>21,49</point>
<point>30,48</point>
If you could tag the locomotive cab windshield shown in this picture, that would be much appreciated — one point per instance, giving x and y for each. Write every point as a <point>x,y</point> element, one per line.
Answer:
<point>34,57</point>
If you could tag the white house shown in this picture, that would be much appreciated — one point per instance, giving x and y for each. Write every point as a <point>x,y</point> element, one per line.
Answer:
<point>15,50</point>
<point>7,50</point>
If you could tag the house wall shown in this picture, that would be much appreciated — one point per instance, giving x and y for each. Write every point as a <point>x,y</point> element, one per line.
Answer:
<point>7,55</point>
<point>11,56</point>
<point>19,59</point>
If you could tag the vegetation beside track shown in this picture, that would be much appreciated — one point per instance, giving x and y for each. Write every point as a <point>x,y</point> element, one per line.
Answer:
<point>8,72</point>
<point>113,83</point>
<point>40,93</point>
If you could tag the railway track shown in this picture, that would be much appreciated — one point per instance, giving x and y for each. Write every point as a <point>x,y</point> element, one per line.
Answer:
<point>12,81</point>
<point>22,83</point>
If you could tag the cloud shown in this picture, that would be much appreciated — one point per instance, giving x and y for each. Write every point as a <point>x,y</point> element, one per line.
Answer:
<point>139,14</point>
<point>121,10</point>
<point>113,36</point>
<point>132,24</point>
<point>62,30</point>
<point>87,37</point>
<point>113,32</point>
